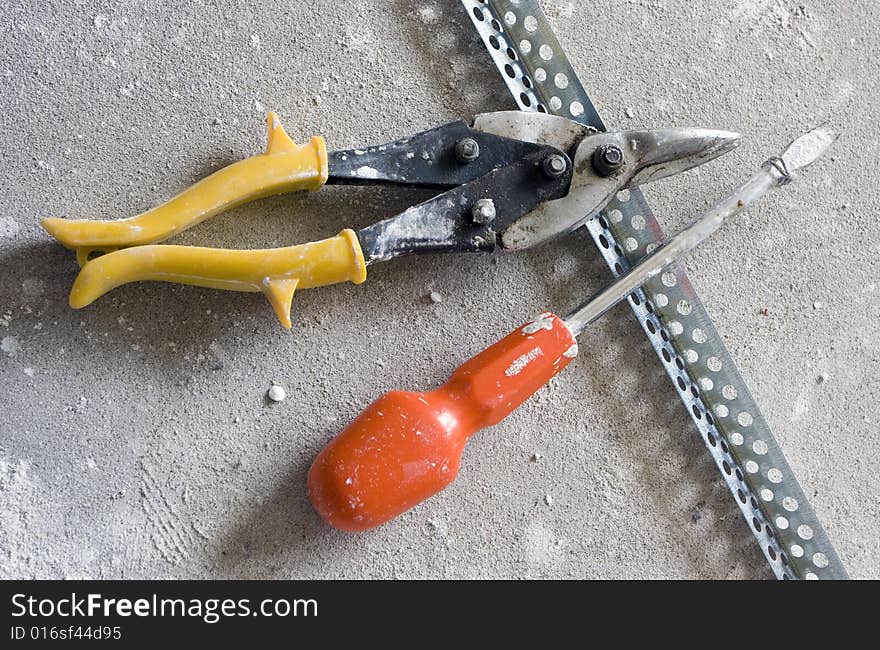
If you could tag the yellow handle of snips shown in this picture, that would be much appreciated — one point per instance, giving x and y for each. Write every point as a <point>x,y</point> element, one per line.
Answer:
<point>284,167</point>
<point>277,272</point>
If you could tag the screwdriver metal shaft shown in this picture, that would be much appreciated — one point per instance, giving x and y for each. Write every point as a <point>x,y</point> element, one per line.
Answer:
<point>775,172</point>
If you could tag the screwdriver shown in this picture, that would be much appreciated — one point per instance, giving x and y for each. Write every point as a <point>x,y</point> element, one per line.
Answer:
<point>406,446</point>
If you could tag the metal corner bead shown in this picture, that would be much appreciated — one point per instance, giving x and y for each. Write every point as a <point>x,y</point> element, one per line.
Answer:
<point>519,39</point>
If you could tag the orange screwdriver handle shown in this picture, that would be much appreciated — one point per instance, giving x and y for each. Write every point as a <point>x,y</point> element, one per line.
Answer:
<point>406,447</point>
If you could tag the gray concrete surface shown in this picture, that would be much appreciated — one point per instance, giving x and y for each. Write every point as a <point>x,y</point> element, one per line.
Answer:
<point>135,439</point>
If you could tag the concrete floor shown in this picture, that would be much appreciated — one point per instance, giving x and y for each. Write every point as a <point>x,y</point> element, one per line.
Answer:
<point>135,438</point>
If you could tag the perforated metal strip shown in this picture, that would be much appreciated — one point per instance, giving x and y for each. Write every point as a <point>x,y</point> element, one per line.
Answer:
<point>540,78</point>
